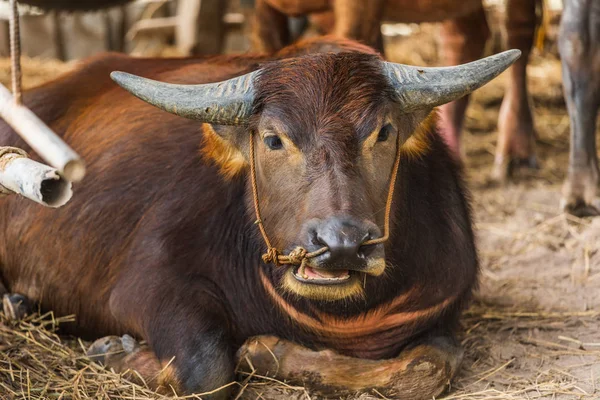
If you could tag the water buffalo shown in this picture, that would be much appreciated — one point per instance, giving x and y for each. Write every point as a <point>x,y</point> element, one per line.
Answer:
<point>463,36</point>
<point>579,45</point>
<point>162,239</point>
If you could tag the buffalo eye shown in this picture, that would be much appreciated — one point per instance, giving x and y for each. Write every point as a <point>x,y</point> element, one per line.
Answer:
<point>384,133</point>
<point>273,142</point>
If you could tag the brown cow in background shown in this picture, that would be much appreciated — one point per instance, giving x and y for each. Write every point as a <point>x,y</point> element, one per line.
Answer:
<point>463,36</point>
<point>161,240</point>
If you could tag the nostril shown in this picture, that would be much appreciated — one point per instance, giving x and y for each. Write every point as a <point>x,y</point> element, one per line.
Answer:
<point>366,236</point>
<point>365,251</point>
<point>314,239</point>
<point>318,241</point>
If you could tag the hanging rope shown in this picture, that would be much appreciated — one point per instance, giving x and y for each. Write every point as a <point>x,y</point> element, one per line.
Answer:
<point>299,256</point>
<point>15,52</point>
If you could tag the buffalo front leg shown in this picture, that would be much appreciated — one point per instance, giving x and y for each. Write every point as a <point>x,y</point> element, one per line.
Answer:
<point>516,132</point>
<point>462,40</point>
<point>186,333</point>
<point>141,365</point>
<point>579,45</point>
<point>422,371</point>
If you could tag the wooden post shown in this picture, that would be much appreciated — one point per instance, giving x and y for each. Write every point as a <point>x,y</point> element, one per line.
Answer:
<point>201,29</point>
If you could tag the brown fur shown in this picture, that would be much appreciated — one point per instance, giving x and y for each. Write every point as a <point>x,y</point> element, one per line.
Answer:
<point>418,144</point>
<point>231,161</point>
<point>384,317</point>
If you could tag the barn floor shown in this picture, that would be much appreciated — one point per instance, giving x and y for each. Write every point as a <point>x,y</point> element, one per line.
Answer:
<point>533,331</point>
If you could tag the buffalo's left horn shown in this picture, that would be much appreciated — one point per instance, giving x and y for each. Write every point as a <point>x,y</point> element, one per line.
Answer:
<point>222,103</point>
<point>430,87</point>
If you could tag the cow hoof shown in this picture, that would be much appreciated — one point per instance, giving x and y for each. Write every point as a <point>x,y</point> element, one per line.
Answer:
<point>506,168</point>
<point>124,355</point>
<point>111,350</point>
<point>581,196</point>
<point>16,306</point>
<point>580,208</point>
<point>420,372</point>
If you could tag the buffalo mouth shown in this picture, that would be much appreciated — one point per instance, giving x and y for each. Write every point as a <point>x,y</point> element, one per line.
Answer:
<point>315,282</point>
<point>321,276</point>
<point>313,275</point>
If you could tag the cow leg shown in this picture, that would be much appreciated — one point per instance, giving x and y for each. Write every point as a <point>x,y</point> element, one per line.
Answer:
<point>360,20</point>
<point>516,134</point>
<point>185,329</point>
<point>421,371</point>
<point>462,40</point>
<point>270,30</point>
<point>579,44</point>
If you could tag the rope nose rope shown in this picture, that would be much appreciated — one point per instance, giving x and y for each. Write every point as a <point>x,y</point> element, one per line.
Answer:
<point>299,256</point>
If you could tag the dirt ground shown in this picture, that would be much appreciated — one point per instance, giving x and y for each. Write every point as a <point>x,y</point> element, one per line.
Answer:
<point>533,331</point>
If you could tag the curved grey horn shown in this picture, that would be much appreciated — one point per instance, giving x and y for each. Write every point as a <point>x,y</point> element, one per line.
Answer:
<point>223,103</point>
<point>429,87</point>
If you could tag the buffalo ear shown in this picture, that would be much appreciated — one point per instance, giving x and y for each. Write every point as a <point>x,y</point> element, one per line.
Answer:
<point>227,147</point>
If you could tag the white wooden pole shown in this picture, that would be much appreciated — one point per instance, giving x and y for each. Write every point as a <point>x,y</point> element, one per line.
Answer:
<point>41,138</point>
<point>31,179</point>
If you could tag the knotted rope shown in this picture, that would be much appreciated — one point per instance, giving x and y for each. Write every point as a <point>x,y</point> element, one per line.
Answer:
<point>299,256</point>
<point>7,154</point>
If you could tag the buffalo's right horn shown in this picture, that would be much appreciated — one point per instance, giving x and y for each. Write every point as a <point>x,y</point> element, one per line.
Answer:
<point>222,103</point>
<point>418,87</point>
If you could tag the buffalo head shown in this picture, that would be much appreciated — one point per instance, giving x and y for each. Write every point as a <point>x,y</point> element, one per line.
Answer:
<point>326,131</point>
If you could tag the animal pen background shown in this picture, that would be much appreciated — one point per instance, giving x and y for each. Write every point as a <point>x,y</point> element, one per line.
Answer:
<point>533,331</point>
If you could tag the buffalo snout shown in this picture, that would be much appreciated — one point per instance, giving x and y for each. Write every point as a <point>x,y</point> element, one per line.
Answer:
<point>344,236</point>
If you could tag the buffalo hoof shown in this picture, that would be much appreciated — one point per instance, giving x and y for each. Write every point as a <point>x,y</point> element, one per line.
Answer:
<point>515,149</point>
<point>506,168</point>
<point>581,209</point>
<point>16,306</point>
<point>423,371</point>
<point>112,350</point>
<point>581,196</point>
<point>126,356</point>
